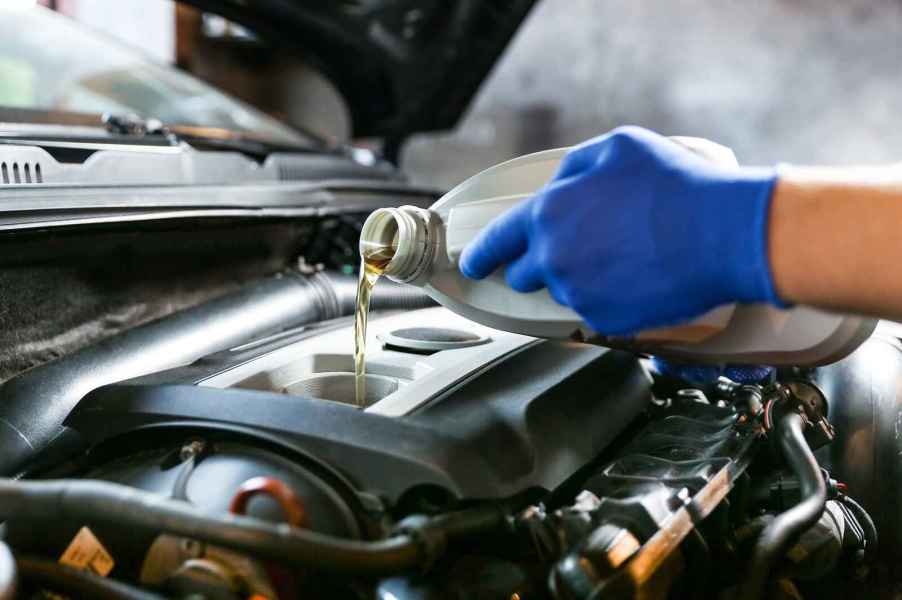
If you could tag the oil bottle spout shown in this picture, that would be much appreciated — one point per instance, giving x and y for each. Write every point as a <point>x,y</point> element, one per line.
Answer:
<point>407,237</point>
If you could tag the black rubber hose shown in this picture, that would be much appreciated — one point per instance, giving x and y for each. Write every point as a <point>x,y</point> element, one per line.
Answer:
<point>8,573</point>
<point>867,524</point>
<point>82,584</point>
<point>34,405</point>
<point>129,508</point>
<point>781,533</point>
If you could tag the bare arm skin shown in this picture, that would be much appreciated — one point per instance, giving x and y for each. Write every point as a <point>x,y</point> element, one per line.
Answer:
<point>835,239</point>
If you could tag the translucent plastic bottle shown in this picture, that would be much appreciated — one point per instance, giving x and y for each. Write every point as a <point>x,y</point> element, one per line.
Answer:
<point>426,244</point>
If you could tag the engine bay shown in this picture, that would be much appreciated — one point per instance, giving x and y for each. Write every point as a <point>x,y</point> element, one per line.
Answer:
<point>184,412</point>
<point>486,464</point>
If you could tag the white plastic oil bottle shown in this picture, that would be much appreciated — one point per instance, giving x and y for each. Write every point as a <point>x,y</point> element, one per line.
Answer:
<point>424,245</point>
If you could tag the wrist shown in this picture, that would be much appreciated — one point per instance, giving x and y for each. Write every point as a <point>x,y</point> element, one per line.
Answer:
<point>811,218</point>
<point>785,266</point>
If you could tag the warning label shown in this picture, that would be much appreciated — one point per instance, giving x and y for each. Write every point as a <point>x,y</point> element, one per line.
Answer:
<point>86,553</point>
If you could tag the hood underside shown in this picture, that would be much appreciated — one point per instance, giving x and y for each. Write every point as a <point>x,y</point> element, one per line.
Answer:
<point>402,66</point>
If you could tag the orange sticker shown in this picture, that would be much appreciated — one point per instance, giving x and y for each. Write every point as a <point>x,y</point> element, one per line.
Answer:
<point>86,553</point>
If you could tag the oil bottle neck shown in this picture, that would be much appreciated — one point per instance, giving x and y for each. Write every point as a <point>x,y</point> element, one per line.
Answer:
<point>406,233</point>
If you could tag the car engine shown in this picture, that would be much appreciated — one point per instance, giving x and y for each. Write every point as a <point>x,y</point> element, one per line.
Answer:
<point>218,453</point>
<point>177,398</point>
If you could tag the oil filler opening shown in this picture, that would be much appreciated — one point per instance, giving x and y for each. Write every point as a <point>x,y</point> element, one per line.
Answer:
<point>340,387</point>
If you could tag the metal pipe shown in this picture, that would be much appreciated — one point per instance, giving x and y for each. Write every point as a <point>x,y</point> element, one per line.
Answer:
<point>867,524</point>
<point>34,405</point>
<point>781,533</point>
<point>387,295</point>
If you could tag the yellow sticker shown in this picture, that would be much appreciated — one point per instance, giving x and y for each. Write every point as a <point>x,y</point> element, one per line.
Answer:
<point>86,553</point>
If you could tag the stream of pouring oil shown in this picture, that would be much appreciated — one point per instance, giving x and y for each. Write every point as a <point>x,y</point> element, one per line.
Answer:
<point>373,260</point>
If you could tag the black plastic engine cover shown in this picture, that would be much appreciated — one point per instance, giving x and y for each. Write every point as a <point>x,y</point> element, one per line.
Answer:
<point>529,421</point>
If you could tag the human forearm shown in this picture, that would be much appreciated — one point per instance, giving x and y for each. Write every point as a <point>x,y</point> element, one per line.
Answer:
<point>835,239</point>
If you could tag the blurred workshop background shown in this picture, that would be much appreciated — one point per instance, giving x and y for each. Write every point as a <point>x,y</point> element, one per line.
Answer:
<point>804,81</point>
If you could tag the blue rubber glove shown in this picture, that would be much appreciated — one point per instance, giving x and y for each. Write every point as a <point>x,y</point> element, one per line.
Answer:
<point>635,232</point>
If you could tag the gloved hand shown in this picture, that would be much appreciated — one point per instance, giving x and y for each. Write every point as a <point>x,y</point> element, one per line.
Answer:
<point>635,232</point>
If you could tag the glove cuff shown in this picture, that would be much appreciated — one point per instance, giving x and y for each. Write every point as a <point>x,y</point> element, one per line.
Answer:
<point>748,260</point>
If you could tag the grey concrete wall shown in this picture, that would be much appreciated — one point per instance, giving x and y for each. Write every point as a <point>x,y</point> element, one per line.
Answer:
<point>804,81</point>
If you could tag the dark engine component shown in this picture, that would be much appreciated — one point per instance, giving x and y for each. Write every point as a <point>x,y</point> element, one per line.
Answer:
<point>481,441</point>
<point>34,405</point>
<point>503,467</point>
<point>666,502</point>
<point>667,493</point>
<point>209,475</point>
<point>865,398</point>
<point>648,501</point>
<point>677,498</point>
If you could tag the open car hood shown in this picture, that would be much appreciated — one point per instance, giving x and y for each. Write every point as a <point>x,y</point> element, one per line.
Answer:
<point>403,66</point>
